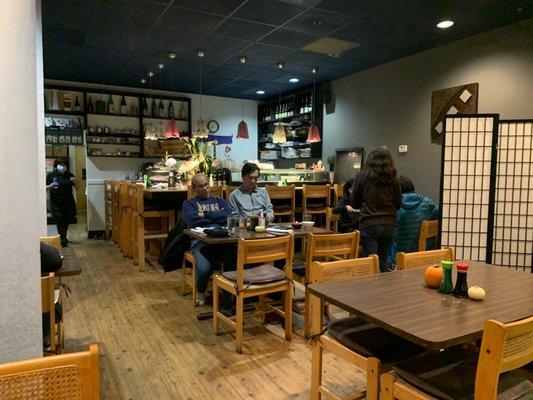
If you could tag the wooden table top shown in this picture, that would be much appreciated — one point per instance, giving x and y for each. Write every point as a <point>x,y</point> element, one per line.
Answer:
<point>298,233</point>
<point>399,302</point>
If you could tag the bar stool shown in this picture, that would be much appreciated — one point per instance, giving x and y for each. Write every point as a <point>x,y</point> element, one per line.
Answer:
<point>315,199</point>
<point>283,200</point>
<point>151,224</point>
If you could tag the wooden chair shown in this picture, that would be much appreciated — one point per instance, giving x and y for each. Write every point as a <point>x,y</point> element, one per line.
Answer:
<point>324,247</point>
<point>215,191</point>
<point>54,241</point>
<point>338,192</point>
<point>332,220</point>
<point>74,376</point>
<point>151,224</point>
<point>283,200</point>
<point>125,231</point>
<point>228,189</point>
<point>115,211</point>
<point>257,281</point>
<point>504,348</point>
<point>428,229</point>
<point>188,268</point>
<point>48,300</point>
<point>319,196</point>
<point>423,258</point>
<point>108,207</point>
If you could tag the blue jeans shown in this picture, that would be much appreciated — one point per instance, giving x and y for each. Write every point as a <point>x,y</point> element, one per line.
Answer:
<point>203,266</point>
<point>377,239</point>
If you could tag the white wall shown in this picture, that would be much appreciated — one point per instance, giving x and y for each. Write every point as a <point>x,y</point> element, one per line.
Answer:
<point>226,111</point>
<point>391,104</point>
<point>21,159</point>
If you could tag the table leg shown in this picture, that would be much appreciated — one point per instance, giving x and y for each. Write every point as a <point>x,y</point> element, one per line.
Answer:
<point>316,349</point>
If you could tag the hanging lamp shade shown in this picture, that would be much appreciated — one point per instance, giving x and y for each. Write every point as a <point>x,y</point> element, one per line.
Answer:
<point>201,131</point>
<point>279,134</point>
<point>242,130</point>
<point>172,129</point>
<point>313,134</point>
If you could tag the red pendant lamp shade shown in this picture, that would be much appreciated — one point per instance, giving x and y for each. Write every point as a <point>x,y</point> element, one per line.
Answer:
<point>172,129</point>
<point>313,134</point>
<point>242,131</point>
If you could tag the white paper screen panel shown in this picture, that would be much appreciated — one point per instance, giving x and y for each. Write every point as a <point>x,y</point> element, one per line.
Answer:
<point>466,179</point>
<point>513,211</point>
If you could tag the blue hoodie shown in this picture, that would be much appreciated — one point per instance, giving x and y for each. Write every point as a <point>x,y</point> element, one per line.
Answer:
<point>415,208</point>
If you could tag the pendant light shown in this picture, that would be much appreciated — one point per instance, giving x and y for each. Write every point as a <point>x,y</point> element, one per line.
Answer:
<point>149,129</point>
<point>279,132</point>
<point>172,131</point>
<point>242,129</point>
<point>201,131</point>
<point>313,135</point>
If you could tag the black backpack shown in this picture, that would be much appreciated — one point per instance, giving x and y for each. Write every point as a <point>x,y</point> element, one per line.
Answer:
<point>176,244</point>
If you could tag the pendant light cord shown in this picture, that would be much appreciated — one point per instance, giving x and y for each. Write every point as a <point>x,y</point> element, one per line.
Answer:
<point>200,70</point>
<point>314,99</point>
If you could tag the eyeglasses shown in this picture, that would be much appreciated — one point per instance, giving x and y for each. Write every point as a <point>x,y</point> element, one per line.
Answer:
<point>252,177</point>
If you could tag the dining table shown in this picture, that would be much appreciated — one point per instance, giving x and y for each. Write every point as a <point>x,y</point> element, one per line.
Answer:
<point>401,303</point>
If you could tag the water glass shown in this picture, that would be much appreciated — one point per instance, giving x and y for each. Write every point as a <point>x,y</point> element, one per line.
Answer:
<point>242,223</point>
<point>232,223</point>
<point>307,217</point>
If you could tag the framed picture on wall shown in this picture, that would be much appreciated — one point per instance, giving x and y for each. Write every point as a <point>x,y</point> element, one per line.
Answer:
<point>348,161</point>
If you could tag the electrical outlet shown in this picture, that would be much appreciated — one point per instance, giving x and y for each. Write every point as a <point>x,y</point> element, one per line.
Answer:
<point>402,149</point>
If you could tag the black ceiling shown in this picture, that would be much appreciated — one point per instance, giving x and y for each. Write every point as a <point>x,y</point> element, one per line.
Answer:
<point>117,41</point>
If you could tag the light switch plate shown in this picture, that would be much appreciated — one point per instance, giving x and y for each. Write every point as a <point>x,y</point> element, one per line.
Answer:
<point>402,149</point>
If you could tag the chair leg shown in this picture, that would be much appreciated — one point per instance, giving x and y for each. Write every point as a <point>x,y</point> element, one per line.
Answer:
<point>261,307</point>
<point>372,378</point>
<point>215,305</point>
<point>288,312</point>
<point>307,315</point>
<point>387,387</point>
<point>239,323</point>
<point>316,369</point>
<point>60,337</point>
<point>183,277</point>
<point>141,245</point>
<point>193,288</point>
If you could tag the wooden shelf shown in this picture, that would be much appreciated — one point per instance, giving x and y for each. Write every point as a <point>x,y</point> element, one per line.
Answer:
<point>58,112</point>
<point>273,121</point>
<point>114,115</point>
<point>88,155</point>
<point>166,118</point>
<point>112,135</point>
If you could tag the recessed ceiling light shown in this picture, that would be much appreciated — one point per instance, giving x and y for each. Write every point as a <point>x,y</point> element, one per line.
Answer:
<point>260,92</point>
<point>160,65</point>
<point>445,24</point>
<point>294,80</point>
<point>200,53</point>
<point>171,55</point>
<point>243,59</point>
<point>280,65</point>
<point>314,70</point>
<point>143,81</point>
<point>150,74</point>
<point>317,22</point>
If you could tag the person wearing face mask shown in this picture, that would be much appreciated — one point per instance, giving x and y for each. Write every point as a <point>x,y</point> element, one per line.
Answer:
<point>59,183</point>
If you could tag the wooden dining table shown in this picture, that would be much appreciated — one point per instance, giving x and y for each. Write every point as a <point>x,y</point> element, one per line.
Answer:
<point>400,302</point>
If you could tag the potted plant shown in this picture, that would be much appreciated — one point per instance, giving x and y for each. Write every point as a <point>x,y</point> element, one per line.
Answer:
<point>331,161</point>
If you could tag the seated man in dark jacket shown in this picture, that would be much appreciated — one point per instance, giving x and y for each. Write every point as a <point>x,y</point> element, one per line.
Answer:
<point>349,219</point>
<point>415,208</point>
<point>206,212</point>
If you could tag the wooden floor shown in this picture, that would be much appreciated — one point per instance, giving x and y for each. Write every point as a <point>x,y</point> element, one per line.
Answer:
<point>153,347</point>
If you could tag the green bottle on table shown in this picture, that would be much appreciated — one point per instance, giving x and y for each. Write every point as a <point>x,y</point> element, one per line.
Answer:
<point>446,285</point>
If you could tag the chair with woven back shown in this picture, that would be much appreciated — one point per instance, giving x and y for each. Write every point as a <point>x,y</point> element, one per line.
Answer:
<point>283,200</point>
<point>257,281</point>
<point>459,373</point>
<point>323,247</point>
<point>73,376</point>
<point>428,230</point>
<point>423,258</point>
<point>48,301</point>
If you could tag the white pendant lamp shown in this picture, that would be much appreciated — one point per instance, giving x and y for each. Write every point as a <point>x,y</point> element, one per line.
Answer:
<point>279,133</point>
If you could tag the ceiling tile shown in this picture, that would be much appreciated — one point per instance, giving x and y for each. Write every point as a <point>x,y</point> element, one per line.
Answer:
<point>273,12</point>
<point>319,22</point>
<point>239,29</point>
<point>288,39</point>
<point>224,7</point>
<point>359,8</point>
<point>182,20</point>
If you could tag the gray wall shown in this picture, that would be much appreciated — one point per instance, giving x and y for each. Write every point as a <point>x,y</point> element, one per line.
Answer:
<point>391,104</point>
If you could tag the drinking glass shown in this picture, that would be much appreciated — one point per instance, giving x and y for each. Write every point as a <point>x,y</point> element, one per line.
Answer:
<point>242,223</point>
<point>307,217</point>
<point>233,223</point>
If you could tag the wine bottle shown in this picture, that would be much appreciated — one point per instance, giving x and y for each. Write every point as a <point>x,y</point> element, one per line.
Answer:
<point>110,105</point>
<point>161,109</point>
<point>170,109</point>
<point>154,109</point>
<point>123,106</point>
<point>146,110</point>
<point>90,108</point>
<point>77,105</point>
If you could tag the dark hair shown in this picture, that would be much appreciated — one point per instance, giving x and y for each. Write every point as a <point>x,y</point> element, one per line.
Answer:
<point>60,160</point>
<point>380,166</point>
<point>249,168</point>
<point>347,185</point>
<point>406,184</point>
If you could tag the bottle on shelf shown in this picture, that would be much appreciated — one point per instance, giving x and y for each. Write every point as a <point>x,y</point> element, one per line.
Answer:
<point>146,110</point>
<point>123,106</point>
<point>110,105</point>
<point>90,108</point>
<point>170,109</point>
<point>154,109</point>
<point>77,106</point>
<point>161,109</point>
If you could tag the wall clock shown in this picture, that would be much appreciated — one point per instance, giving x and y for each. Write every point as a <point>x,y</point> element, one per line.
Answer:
<point>212,126</point>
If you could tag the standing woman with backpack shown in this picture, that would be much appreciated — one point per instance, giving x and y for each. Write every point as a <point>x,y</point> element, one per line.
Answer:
<point>376,193</point>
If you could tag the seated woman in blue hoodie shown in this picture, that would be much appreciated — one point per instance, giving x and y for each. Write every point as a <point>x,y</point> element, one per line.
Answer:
<point>415,208</point>
<point>206,212</point>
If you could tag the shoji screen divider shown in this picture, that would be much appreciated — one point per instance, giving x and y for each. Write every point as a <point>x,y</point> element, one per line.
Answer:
<point>486,198</point>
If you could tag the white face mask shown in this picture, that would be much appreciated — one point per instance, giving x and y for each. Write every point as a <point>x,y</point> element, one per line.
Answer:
<point>60,168</point>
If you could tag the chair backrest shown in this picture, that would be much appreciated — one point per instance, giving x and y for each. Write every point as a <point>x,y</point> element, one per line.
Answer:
<point>261,251</point>
<point>428,229</point>
<point>423,258</point>
<point>504,347</point>
<point>317,192</point>
<point>215,191</point>
<point>338,192</point>
<point>137,200</point>
<point>281,192</point>
<point>61,377</point>
<point>337,245</point>
<point>344,269</point>
<point>228,189</point>
<point>54,241</point>
<point>332,219</point>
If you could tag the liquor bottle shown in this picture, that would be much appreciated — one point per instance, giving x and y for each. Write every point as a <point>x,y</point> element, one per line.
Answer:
<point>123,106</point>
<point>110,105</point>
<point>154,109</point>
<point>170,110</point>
<point>77,105</point>
<point>161,109</point>
<point>90,108</point>
<point>146,110</point>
